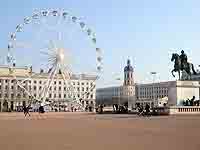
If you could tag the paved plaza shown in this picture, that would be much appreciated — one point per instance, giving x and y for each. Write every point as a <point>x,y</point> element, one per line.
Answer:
<point>76,131</point>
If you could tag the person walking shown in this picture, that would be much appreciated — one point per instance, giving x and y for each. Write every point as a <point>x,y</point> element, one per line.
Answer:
<point>26,110</point>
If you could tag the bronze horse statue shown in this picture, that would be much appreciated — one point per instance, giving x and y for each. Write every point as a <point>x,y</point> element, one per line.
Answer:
<point>178,67</point>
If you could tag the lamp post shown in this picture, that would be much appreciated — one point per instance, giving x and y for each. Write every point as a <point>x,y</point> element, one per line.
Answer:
<point>118,91</point>
<point>153,74</point>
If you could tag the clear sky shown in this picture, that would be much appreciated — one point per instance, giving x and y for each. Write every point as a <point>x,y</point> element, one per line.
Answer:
<point>146,31</point>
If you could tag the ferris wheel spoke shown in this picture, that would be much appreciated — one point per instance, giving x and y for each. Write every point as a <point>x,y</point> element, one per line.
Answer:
<point>60,36</point>
<point>66,69</point>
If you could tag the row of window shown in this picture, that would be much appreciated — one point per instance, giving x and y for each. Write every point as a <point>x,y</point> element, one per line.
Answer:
<point>151,96</point>
<point>50,96</point>
<point>55,82</point>
<point>55,88</point>
<point>126,75</point>
<point>153,92</point>
<point>151,88</point>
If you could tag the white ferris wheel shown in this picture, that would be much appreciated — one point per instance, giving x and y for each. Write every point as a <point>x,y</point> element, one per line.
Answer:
<point>57,43</point>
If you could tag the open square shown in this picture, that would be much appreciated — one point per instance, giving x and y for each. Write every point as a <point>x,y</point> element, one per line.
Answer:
<point>73,131</point>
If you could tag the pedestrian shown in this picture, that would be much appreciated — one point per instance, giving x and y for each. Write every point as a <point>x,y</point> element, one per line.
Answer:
<point>26,110</point>
<point>147,109</point>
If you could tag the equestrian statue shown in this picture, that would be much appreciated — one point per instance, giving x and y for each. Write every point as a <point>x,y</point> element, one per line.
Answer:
<point>181,65</point>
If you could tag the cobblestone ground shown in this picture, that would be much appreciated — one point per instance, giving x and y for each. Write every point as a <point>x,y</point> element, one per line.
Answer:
<point>81,131</point>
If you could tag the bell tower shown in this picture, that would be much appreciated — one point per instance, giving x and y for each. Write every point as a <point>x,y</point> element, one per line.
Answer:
<point>128,74</point>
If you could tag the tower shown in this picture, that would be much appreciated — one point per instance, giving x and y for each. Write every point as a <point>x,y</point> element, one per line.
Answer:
<point>128,74</point>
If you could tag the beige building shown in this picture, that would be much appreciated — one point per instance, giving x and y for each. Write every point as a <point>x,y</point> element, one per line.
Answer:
<point>14,80</point>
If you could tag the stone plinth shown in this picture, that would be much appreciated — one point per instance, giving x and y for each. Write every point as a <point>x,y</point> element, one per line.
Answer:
<point>178,91</point>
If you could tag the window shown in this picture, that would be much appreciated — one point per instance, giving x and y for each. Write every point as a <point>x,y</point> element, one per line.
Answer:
<point>50,88</point>
<point>40,82</point>
<point>35,95</point>
<point>59,95</point>
<point>35,81</point>
<point>12,95</point>
<point>50,95</point>
<point>54,95</point>
<point>12,87</point>
<point>59,88</point>
<point>64,95</point>
<point>12,81</point>
<point>82,83</point>
<point>87,102</point>
<point>64,88</point>
<point>6,81</point>
<point>78,83</point>
<point>73,83</point>
<point>34,87</point>
<point>55,88</point>
<point>6,87</point>
<point>6,95</point>
<point>60,82</point>
<point>83,89</point>
<point>78,95</point>
<point>40,88</point>
<point>78,89</point>
<point>87,83</point>
<point>0,87</point>
<point>87,89</point>
<point>91,96</point>
<point>54,82</point>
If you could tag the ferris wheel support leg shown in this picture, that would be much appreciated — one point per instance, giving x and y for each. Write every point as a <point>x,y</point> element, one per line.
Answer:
<point>46,85</point>
<point>47,88</point>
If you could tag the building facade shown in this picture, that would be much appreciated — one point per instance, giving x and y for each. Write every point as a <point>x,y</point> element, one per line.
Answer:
<point>121,95</point>
<point>13,81</point>
<point>171,93</point>
<point>151,93</point>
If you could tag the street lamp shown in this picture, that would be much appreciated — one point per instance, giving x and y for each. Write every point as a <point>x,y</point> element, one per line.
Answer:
<point>118,79</point>
<point>153,74</point>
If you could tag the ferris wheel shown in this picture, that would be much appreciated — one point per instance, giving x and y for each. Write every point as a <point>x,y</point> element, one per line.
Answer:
<point>52,40</point>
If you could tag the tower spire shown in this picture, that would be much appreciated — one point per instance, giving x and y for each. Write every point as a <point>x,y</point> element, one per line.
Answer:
<point>128,74</point>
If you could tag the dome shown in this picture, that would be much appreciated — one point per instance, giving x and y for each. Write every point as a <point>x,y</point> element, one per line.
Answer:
<point>128,67</point>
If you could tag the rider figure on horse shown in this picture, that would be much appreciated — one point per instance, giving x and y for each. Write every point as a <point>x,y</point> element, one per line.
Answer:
<point>184,61</point>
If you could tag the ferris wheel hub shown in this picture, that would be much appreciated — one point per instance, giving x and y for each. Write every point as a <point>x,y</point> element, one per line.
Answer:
<point>60,55</point>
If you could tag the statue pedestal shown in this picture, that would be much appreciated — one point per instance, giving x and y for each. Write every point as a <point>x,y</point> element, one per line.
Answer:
<point>178,91</point>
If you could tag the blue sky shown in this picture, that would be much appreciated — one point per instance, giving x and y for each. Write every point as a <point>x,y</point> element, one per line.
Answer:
<point>145,31</point>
